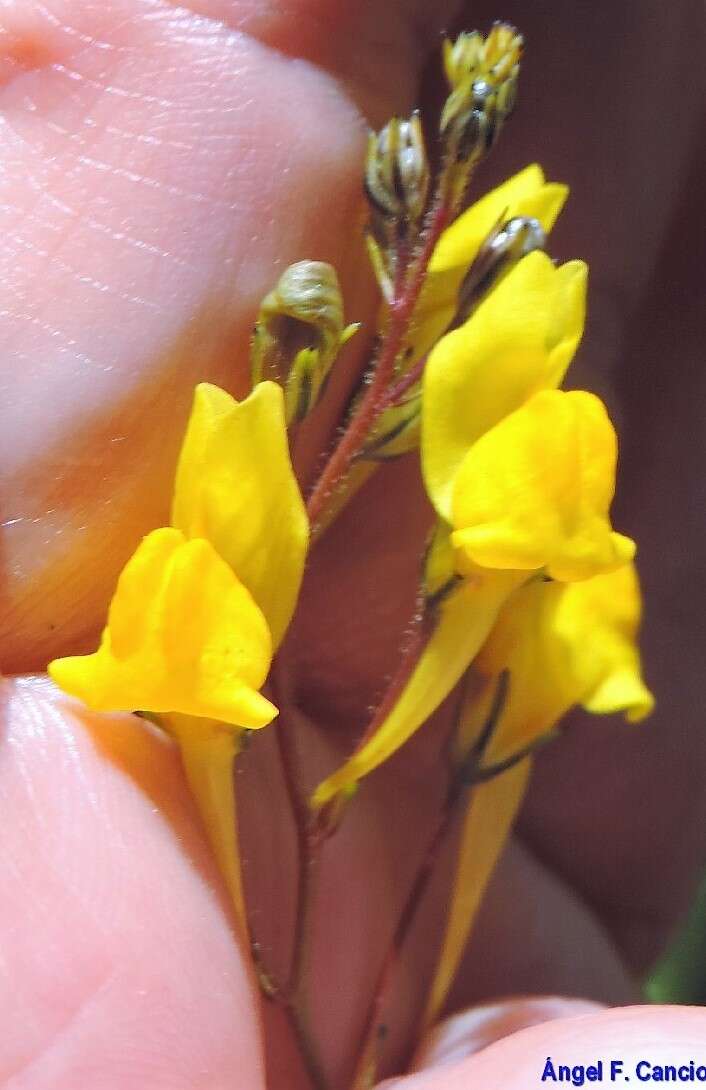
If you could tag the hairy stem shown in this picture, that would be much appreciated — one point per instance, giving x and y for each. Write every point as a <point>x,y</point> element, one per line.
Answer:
<point>463,778</point>
<point>374,1027</point>
<point>292,997</point>
<point>308,850</point>
<point>421,629</point>
<point>373,402</point>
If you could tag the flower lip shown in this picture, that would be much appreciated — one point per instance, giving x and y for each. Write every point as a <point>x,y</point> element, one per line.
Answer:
<point>533,492</point>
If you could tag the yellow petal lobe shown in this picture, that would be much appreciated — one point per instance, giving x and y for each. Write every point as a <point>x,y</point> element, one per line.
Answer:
<point>183,635</point>
<point>562,644</point>
<point>525,194</point>
<point>534,492</point>
<point>235,487</point>
<point>519,341</point>
<point>599,621</point>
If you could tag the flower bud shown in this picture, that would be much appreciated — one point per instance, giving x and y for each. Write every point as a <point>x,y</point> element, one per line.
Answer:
<point>463,56</point>
<point>397,171</point>
<point>396,430</point>
<point>298,334</point>
<point>471,56</point>
<point>500,252</point>
<point>483,76</point>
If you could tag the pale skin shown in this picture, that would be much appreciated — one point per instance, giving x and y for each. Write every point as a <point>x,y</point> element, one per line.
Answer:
<point>160,165</point>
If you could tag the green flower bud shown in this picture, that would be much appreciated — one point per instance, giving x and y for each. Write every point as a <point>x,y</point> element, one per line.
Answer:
<point>507,244</point>
<point>483,76</point>
<point>397,171</point>
<point>298,334</point>
<point>472,56</point>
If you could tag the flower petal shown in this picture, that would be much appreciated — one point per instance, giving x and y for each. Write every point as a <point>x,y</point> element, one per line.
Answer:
<point>525,194</point>
<point>235,487</point>
<point>467,614</point>
<point>599,620</point>
<point>520,340</point>
<point>534,491</point>
<point>183,635</point>
<point>491,812</point>
<point>562,644</point>
<point>208,753</point>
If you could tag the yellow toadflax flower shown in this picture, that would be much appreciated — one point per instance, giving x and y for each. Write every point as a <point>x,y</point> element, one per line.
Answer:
<point>521,475</point>
<point>201,606</point>
<point>558,645</point>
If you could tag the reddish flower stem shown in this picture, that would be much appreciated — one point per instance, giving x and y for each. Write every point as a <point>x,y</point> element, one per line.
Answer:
<point>373,1023</point>
<point>373,402</point>
<point>291,997</point>
<point>307,852</point>
<point>405,383</point>
<point>422,628</point>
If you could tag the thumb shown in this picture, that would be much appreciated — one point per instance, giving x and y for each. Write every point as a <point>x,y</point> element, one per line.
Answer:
<point>626,1045</point>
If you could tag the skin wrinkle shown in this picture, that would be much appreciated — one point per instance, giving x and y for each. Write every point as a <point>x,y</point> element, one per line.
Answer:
<point>13,1077</point>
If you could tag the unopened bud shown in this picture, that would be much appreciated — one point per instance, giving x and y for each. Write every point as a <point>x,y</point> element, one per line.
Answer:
<point>472,56</point>
<point>463,57</point>
<point>397,171</point>
<point>298,334</point>
<point>483,76</point>
<point>504,247</point>
<point>379,259</point>
<point>396,430</point>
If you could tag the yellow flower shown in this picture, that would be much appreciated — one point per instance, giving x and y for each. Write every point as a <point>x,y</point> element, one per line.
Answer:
<point>183,634</point>
<point>534,491</point>
<point>487,823</point>
<point>213,596</point>
<point>525,194</point>
<point>201,606</point>
<point>562,644</point>
<point>521,474</point>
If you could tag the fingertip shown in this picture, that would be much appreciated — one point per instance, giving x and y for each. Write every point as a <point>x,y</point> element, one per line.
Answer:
<point>474,1029</point>
<point>644,1040</point>
<point>123,966</point>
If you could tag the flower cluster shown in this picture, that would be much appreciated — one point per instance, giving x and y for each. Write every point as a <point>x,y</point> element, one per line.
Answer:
<point>528,597</point>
